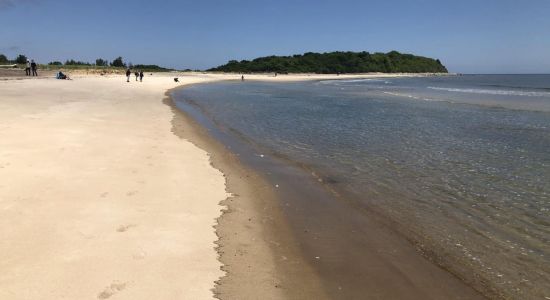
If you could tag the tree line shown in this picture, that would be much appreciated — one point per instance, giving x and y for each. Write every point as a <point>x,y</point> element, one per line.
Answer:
<point>337,62</point>
<point>20,59</point>
<point>100,62</point>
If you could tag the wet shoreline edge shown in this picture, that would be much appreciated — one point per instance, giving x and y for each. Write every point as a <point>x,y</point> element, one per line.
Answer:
<point>224,159</point>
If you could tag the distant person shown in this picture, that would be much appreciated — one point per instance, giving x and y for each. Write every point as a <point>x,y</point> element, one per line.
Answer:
<point>137,75</point>
<point>242,78</point>
<point>28,68</point>
<point>140,76</point>
<point>128,75</point>
<point>33,68</point>
<point>60,75</point>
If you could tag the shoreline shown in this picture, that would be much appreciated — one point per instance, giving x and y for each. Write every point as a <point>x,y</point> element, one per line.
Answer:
<point>377,234</point>
<point>253,232</point>
<point>251,214</point>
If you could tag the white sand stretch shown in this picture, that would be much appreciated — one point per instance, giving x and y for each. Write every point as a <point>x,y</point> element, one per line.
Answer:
<point>99,198</point>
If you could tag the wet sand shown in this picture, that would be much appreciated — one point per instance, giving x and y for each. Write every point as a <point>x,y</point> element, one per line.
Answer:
<point>353,254</point>
<point>256,245</point>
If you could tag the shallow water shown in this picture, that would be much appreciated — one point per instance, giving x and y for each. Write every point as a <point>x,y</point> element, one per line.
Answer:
<point>460,164</point>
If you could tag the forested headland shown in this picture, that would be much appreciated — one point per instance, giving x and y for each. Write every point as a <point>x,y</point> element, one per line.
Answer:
<point>337,62</point>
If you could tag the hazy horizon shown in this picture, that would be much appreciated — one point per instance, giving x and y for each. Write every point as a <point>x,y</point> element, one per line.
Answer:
<point>493,37</point>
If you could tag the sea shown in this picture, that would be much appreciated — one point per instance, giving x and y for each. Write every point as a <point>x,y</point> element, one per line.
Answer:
<point>460,165</point>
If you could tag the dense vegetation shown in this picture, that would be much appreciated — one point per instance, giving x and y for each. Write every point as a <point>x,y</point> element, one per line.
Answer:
<point>20,59</point>
<point>101,64</point>
<point>72,62</point>
<point>151,68</point>
<point>337,62</point>
<point>118,62</point>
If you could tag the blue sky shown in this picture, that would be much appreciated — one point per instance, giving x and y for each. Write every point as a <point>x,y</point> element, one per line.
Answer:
<point>483,36</point>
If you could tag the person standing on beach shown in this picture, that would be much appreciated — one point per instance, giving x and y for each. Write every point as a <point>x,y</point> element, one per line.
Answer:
<point>28,68</point>
<point>137,75</point>
<point>33,68</point>
<point>128,75</point>
<point>140,76</point>
<point>242,78</point>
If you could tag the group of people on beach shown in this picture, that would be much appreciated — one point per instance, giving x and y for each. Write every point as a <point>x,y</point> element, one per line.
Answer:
<point>31,66</point>
<point>139,75</point>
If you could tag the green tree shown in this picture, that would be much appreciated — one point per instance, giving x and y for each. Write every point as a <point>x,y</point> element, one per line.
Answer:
<point>21,59</point>
<point>3,59</point>
<point>101,62</point>
<point>55,63</point>
<point>117,62</point>
<point>73,62</point>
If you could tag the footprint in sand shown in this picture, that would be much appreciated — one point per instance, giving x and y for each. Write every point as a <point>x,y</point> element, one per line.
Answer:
<point>141,255</point>
<point>131,193</point>
<point>124,228</point>
<point>109,291</point>
<point>103,195</point>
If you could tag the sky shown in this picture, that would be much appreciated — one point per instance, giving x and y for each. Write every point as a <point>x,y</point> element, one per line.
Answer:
<point>481,36</point>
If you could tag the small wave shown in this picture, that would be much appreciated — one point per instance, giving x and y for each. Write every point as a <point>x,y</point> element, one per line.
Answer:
<point>493,92</point>
<point>340,81</point>
<point>414,97</point>
<point>518,87</point>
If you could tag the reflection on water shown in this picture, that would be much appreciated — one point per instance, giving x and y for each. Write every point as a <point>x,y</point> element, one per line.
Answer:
<point>461,164</point>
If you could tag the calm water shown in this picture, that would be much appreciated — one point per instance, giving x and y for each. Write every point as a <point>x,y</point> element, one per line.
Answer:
<point>460,164</point>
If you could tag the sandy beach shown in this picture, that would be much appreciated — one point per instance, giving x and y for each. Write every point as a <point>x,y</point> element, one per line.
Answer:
<point>98,198</point>
<point>106,190</point>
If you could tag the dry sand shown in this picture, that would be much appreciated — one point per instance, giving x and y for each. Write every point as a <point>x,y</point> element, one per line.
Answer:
<point>99,198</point>
<point>102,195</point>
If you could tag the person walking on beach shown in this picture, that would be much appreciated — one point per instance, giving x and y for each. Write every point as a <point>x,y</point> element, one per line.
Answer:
<point>242,78</point>
<point>140,76</point>
<point>33,68</point>
<point>128,75</point>
<point>28,68</point>
<point>137,75</point>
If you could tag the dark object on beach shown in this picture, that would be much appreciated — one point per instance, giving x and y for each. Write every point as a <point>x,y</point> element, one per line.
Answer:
<point>242,78</point>
<point>128,75</point>
<point>28,68</point>
<point>176,79</point>
<point>140,76</point>
<point>33,68</point>
<point>60,75</point>
<point>137,75</point>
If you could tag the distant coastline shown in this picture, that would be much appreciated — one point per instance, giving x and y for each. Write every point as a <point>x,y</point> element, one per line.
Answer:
<point>337,63</point>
